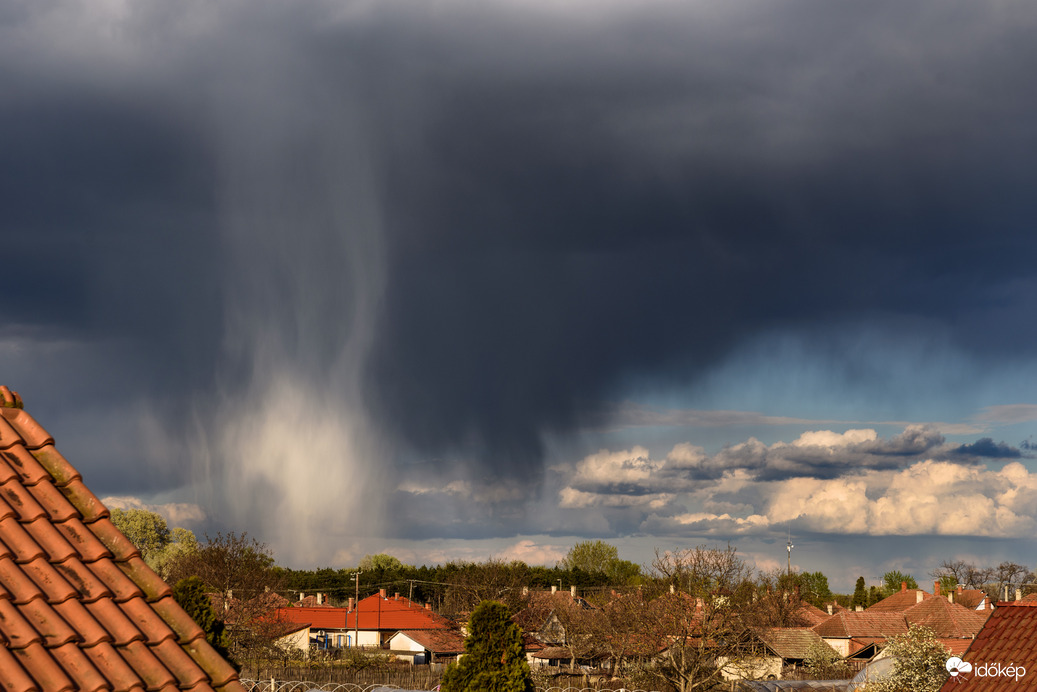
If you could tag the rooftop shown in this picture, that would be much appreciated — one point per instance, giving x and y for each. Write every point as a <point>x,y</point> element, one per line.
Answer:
<point>1009,637</point>
<point>79,609</point>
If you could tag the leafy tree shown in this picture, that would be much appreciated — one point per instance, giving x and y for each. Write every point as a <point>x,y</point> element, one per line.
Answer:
<point>493,660</point>
<point>814,589</point>
<point>919,660</point>
<point>892,580</point>
<point>948,584</point>
<point>822,662</point>
<point>381,561</point>
<point>146,530</point>
<point>860,594</point>
<point>150,533</point>
<point>600,557</point>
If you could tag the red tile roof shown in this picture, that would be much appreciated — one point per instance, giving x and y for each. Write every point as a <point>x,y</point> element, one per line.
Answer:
<point>900,601</point>
<point>1009,638</point>
<point>862,624</point>
<point>791,642</point>
<point>441,642</point>
<point>376,612</point>
<point>79,609</point>
<point>948,620</point>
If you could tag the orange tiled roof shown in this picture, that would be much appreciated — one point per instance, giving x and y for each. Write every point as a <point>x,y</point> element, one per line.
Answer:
<point>1009,637</point>
<point>862,624</point>
<point>900,601</point>
<point>791,642</point>
<point>442,642</point>
<point>376,612</point>
<point>947,620</point>
<point>79,609</point>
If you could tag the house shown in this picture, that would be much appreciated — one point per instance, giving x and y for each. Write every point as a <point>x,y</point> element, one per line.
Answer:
<point>371,622</point>
<point>975,599</point>
<point>901,600</point>
<point>427,646</point>
<point>1003,655</point>
<point>792,645</point>
<point>851,632</point>
<point>79,609</point>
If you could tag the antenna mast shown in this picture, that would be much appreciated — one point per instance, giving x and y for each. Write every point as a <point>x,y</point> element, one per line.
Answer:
<point>789,547</point>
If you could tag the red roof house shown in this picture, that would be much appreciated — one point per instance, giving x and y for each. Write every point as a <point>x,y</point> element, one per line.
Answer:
<point>1003,655</point>
<point>373,621</point>
<point>79,609</point>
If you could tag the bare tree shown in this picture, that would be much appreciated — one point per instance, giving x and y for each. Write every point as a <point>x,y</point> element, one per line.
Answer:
<point>965,573</point>
<point>1005,575</point>
<point>701,570</point>
<point>493,580</point>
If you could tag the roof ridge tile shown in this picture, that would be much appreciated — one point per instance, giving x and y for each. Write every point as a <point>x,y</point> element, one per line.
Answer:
<point>31,432</point>
<point>57,465</point>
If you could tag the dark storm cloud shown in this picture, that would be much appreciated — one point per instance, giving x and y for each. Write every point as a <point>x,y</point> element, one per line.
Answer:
<point>566,201</point>
<point>986,448</point>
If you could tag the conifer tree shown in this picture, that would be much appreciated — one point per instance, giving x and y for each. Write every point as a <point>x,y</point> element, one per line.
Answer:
<point>860,594</point>
<point>493,658</point>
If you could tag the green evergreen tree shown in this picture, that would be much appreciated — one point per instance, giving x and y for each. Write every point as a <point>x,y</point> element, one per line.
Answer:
<point>860,594</point>
<point>493,658</point>
<point>190,594</point>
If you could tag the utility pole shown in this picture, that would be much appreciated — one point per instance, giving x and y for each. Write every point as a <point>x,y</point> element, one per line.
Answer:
<point>356,611</point>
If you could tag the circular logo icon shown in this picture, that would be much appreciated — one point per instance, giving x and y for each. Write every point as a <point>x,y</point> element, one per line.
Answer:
<point>956,666</point>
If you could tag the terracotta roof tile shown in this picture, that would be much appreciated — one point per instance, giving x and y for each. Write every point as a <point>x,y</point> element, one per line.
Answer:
<point>182,666</point>
<point>49,581</point>
<point>19,499</point>
<point>89,586</point>
<point>86,543</point>
<point>185,629</point>
<point>15,677</point>
<point>947,619</point>
<point>25,465</point>
<point>20,543</point>
<point>151,670</point>
<point>900,601</point>
<point>144,577</point>
<point>85,501</point>
<point>88,628</point>
<point>115,579</point>
<point>50,498</point>
<point>46,672</point>
<point>79,609</point>
<point>78,667</point>
<point>57,466</point>
<point>1009,637</point>
<point>56,548</point>
<point>112,666</point>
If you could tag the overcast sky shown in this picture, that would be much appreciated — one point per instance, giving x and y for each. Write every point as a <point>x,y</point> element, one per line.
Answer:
<point>461,279</point>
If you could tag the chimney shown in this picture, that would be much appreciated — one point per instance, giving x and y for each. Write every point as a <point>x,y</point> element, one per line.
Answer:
<point>428,606</point>
<point>554,589</point>
<point>302,596</point>
<point>859,609</point>
<point>672,589</point>
<point>936,588</point>
<point>831,611</point>
<point>320,599</point>
<point>525,590</point>
<point>350,606</point>
<point>397,596</point>
<point>950,596</point>
<point>381,592</point>
<point>572,591</point>
<point>903,587</point>
<point>960,587</point>
<point>919,596</point>
<point>1018,594</point>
